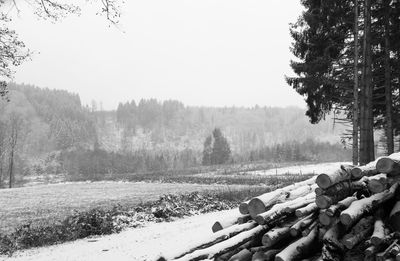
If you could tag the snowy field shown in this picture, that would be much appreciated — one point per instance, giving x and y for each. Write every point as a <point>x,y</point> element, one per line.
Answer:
<point>141,244</point>
<point>301,169</point>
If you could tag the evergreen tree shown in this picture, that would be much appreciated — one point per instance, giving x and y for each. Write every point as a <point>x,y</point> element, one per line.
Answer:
<point>221,151</point>
<point>207,151</point>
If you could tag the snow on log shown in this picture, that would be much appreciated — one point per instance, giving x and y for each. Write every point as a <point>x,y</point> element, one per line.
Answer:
<point>390,164</point>
<point>359,232</point>
<point>280,209</point>
<point>304,211</point>
<point>378,183</point>
<point>275,235</point>
<point>228,221</point>
<point>296,229</point>
<point>221,236</point>
<point>379,229</point>
<point>360,207</point>
<point>394,217</point>
<point>299,248</point>
<point>326,180</point>
<point>365,171</point>
<point>261,203</point>
<point>340,206</point>
<point>224,246</point>
<point>339,192</point>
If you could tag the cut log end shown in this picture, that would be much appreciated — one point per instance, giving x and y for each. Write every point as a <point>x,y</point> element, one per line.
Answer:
<point>260,220</point>
<point>385,165</point>
<point>323,181</point>
<point>216,227</point>
<point>244,208</point>
<point>255,207</point>
<point>324,219</point>
<point>323,202</point>
<point>356,172</point>
<point>345,219</point>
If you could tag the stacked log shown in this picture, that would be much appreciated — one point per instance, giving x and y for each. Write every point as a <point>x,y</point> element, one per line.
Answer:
<point>355,208</point>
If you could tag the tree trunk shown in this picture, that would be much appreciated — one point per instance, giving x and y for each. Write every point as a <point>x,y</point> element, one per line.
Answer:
<point>366,131</point>
<point>11,167</point>
<point>388,89</point>
<point>355,90</point>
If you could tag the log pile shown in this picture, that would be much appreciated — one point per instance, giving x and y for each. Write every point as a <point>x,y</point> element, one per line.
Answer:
<point>353,211</point>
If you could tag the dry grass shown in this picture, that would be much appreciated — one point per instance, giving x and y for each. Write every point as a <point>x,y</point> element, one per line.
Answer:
<point>41,204</point>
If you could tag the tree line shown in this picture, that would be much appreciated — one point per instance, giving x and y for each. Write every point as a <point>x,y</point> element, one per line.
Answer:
<point>348,62</point>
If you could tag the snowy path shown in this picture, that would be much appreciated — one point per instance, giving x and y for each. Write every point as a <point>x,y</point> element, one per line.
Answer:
<point>147,243</point>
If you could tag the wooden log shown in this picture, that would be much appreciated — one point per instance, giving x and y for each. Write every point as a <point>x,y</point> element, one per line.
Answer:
<point>296,229</point>
<point>378,183</point>
<point>383,255</point>
<point>363,206</point>
<point>359,232</point>
<point>259,249</point>
<point>325,219</point>
<point>228,221</point>
<point>263,202</point>
<point>394,217</point>
<point>340,206</point>
<point>378,234</point>
<point>282,208</point>
<point>244,207</point>
<point>304,211</point>
<point>226,256</point>
<point>300,248</point>
<point>258,256</point>
<point>275,236</point>
<point>339,192</point>
<point>270,254</point>
<point>364,171</point>
<point>221,236</point>
<point>243,219</point>
<point>243,255</point>
<point>308,229</point>
<point>331,240</point>
<point>330,255</point>
<point>371,251</point>
<point>224,246</point>
<point>389,165</point>
<point>326,180</point>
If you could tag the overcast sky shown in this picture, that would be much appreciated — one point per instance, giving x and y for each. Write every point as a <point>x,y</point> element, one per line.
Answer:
<point>201,52</point>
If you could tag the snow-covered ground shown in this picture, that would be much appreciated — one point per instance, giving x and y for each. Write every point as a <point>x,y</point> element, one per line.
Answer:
<point>147,243</point>
<point>301,169</point>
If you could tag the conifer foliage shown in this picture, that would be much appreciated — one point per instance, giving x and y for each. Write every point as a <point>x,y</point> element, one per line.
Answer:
<point>216,149</point>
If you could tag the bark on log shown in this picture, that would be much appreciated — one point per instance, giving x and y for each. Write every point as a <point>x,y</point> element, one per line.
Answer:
<point>360,231</point>
<point>280,209</point>
<point>390,164</point>
<point>224,246</point>
<point>299,248</point>
<point>296,229</point>
<point>378,183</point>
<point>261,203</point>
<point>308,229</point>
<point>339,192</point>
<point>340,206</point>
<point>326,180</point>
<point>330,255</point>
<point>244,219</point>
<point>360,207</point>
<point>243,255</point>
<point>333,234</point>
<point>259,249</point>
<point>394,217</point>
<point>275,235</point>
<point>304,211</point>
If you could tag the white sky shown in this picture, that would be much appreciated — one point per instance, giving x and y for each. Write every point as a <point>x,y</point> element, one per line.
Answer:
<point>201,52</point>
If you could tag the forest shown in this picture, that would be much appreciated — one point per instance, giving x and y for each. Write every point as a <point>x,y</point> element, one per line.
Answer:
<point>50,133</point>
